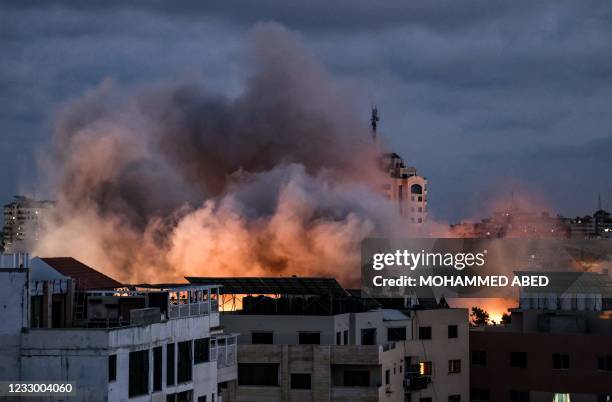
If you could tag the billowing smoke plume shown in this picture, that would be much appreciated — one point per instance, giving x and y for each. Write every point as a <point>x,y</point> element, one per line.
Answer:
<point>175,180</point>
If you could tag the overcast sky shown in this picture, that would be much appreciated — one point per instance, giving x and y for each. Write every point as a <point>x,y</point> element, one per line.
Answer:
<point>482,97</point>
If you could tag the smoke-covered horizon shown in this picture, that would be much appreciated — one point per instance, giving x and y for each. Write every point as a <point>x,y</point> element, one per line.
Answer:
<point>172,179</point>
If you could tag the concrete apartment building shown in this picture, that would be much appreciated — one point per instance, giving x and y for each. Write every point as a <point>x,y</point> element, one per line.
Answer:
<point>557,348</point>
<point>64,321</point>
<point>308,339</point>
<point>23,223</point>
<point>405,187</point>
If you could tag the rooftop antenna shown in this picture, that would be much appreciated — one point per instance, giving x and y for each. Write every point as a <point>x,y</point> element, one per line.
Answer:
<point>374,122</point>
<point>599,201</point>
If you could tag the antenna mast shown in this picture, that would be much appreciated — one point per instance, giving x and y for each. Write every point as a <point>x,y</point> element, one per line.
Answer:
<point>374,121</point>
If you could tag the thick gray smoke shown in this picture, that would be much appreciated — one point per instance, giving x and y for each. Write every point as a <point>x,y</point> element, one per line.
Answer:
<point>174,180</point>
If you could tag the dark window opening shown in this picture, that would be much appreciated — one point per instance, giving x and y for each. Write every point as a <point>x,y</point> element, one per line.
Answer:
<point>112,368</point>
<point>184,362</point>
<point>519,396</point>
<point>416,189</point>
<point>356,378</point>
<point>518,359</point>
<point>262,338</point>
<point>368,336</point>
<point>424,332</point>
<point>479,357</point>
<point>345,336</point>
<point>301,381</point>
<point>201,350</point>
<point>425,399</point>
<point>260,374</point>
<point>338,338</point>
<point>454,366</point>
<point>309,338</point>
<point>157,369</point>
<point>185,396</point>
<point>604,363</point>
<point>453,331</point>
<point>396,334</point>
<point>139,373</point>
<point>454,398</point>
<point>387,377</point>
<point>170,364</point>
<point>560,361</point>
<point>480,395</point>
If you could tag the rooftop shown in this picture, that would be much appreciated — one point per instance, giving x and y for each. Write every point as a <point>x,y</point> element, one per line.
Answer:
<point>85,277</point>
<point>274,286</point>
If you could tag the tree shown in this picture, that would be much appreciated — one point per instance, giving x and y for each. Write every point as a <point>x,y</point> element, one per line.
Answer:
<point>479,316</point>
<point>506,318</point>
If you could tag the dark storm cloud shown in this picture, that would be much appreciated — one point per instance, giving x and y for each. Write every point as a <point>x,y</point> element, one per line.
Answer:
<point>455,81</point>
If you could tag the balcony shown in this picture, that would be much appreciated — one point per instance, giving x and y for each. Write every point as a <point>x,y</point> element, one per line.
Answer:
<point>223,351</point>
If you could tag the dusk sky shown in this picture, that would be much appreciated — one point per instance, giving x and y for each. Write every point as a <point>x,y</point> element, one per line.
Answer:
<point>484,98</point>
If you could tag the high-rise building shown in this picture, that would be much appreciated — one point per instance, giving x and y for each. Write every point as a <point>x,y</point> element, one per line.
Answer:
<point>24,220</point>
<point>405,187</point>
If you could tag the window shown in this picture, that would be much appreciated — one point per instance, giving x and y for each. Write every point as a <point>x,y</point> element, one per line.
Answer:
<point>157,369</point>
<point>604,363</point>
<point>356,378</point>
<point>309,338</point>
<point>170,364</point>
<point>185,396</point>
<point>519,396</point>
<point>139,373</point>
<point>479,358</point>
<point>262,338</point>
<point>184,362</point>
<point>368,336</point>
<point>416,189</point>
<point>112,368</point>
<point>212,397</point>
<point>300,381</point>
<point>424,332</point>
<point>338,338</point>
<point>425,368</point>
<point>560,361</point>
<point>454,398</point>
<point>518,359</point>
<point>454,366</point>
<point>261,374</point>
<point>604,398</point>
<point>201,350</point>
<point>387,377</point>
<point>171,398</point>
<point>453,331</point>
<point>345,336</point>
<point>480,395</point>
<point>202,398</point>
<point>396,334</point>
<point>424,399</point>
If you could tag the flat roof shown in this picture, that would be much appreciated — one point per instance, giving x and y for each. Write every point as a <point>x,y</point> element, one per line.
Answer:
<point>273,285</point>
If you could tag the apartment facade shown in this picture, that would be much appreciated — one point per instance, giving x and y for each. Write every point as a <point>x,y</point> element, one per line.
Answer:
<point>113,344</point>
<point>558,346</point>
<point>405,187</point>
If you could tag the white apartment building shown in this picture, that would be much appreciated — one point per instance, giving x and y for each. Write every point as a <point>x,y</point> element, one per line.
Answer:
<point>69,322</point>
<point>308,339</point>
<point>406,187</point>
<point>24,220</point>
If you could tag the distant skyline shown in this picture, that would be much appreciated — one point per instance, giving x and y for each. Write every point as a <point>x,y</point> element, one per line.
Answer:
<point>484,98</point>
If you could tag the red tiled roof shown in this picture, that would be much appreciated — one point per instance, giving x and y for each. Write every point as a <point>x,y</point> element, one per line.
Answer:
<point>85,277</point>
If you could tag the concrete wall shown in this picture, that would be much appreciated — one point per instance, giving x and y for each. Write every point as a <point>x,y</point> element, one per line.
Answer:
<point>14,311</point>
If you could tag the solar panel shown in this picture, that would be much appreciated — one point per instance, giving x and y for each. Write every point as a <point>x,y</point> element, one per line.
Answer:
<point>271,285</point>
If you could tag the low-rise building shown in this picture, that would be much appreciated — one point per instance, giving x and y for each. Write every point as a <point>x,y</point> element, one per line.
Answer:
<point>309,339</point>
<point>557,346</point>
<point>71,323</point>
